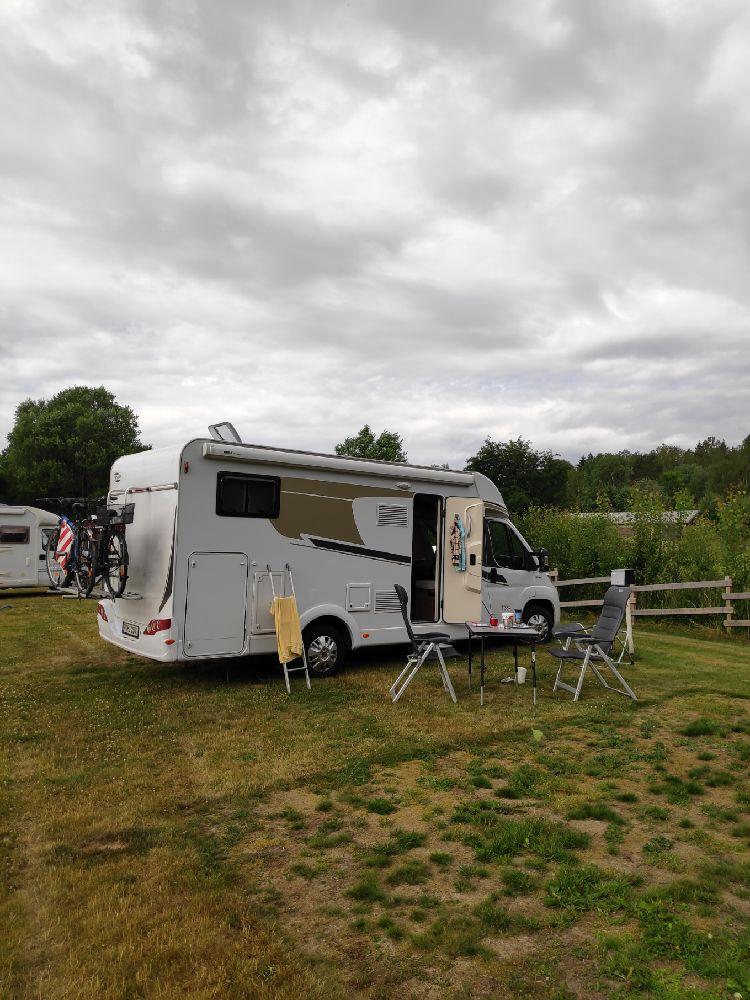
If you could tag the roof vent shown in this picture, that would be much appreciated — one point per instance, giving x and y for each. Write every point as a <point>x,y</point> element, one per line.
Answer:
<point>224,432</point>
<point>393,515</point>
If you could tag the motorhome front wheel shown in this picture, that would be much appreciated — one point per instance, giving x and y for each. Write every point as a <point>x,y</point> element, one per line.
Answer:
<point>539,616</point>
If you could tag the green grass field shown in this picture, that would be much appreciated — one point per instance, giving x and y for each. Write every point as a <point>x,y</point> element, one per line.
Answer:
<point>165,832</point>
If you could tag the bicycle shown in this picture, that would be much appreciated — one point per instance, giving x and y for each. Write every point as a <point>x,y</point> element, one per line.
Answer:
<point>61,548</point>
<point>102,552</point>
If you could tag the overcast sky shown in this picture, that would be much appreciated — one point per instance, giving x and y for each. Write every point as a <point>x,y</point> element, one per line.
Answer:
<point>449,219</point>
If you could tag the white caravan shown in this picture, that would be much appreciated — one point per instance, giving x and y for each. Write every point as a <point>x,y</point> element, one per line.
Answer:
<point>23,536</point>
<point>213,518</point>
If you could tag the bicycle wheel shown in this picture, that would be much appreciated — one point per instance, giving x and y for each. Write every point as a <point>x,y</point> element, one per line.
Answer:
<point>56,573</point>
<point>85,566</point>
<point>116,565</point>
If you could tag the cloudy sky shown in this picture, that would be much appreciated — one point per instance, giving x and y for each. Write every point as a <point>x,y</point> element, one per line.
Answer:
<point>454,220</point>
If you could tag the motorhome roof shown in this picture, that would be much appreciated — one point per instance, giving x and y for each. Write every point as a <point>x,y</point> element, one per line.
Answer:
<point>312,459</point>
<point>44,516</point>
<point>160,465</point>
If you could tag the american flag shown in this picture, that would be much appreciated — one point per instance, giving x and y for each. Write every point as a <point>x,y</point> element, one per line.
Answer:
<point>64,543</point>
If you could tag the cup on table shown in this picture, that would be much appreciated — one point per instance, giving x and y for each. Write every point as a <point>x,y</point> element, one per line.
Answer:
<point>507,619</point>
<point>493,621</point>
<point>518,615</point>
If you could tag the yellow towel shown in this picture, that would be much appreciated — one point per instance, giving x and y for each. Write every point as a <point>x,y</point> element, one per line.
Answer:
<point>288,629</point>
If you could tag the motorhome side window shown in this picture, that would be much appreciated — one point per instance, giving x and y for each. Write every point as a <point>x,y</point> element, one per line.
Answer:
<point>502,546</point>
<point>240,495</point>
<point>12,534</point>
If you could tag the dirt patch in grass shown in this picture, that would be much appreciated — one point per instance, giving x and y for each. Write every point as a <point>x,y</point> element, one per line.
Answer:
<point>440,897</point>
<point>169,833</point>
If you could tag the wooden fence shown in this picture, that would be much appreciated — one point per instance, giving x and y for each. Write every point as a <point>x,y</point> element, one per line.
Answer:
<point>728,596</point>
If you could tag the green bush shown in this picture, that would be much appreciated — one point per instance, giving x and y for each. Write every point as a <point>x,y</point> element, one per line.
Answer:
<point>708,549</point>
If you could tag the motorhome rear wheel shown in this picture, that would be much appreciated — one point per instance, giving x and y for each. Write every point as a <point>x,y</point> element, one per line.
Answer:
<point>326,648</point>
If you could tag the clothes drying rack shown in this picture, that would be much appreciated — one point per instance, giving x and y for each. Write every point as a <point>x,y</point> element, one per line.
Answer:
<point>287,669</point>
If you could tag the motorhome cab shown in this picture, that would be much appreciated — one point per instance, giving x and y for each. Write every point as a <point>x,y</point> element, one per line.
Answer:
<point>213,518</point>
<point>23,536</point>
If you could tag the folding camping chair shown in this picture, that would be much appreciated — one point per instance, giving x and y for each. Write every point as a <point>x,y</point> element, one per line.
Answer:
<point>567,633</point>
<point>423,646</point>
<point>593,649</point>
<point>288,632</point>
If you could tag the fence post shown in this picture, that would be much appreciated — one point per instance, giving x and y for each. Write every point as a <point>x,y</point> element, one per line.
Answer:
<point>629,609</point>
<point>728,606</point>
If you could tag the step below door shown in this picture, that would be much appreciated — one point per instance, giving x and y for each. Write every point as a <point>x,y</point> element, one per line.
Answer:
<point>216,604</point>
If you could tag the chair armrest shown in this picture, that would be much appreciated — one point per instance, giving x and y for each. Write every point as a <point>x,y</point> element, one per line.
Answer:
<point>568,631</point>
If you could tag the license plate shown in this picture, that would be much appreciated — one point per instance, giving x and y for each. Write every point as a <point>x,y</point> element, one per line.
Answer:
<point>129,628</point>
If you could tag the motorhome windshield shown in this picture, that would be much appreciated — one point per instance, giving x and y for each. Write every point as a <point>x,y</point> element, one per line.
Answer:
<point>502,546</point>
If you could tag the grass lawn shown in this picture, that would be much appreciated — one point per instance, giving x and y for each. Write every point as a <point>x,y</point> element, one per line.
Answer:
<point>164,832</point>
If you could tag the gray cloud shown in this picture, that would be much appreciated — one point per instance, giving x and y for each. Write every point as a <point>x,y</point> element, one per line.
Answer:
<point>454,221</point>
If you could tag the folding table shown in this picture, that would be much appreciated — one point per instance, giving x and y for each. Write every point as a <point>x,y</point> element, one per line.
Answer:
<point>515,634</point>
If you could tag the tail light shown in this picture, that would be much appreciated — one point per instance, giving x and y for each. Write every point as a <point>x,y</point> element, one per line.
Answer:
<point>157,625</point>
<point>101,612</point>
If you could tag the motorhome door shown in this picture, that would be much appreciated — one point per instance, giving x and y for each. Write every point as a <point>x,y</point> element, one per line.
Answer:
<point>462,574</point>
<point>216,604</point>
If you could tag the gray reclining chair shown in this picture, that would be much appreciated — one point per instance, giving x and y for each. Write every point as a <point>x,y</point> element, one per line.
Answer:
<point>568,632</point>
<point>593,649</point>
<point>423,646</point>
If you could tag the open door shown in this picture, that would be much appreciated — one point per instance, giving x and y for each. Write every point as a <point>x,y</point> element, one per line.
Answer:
<point>462,589</point>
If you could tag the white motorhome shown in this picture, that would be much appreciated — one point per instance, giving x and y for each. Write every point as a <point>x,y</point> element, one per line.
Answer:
<point>23,536</point>
<point>213,518</point>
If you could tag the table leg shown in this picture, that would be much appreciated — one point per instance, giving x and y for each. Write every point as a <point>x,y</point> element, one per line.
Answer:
<point>515,662</point>
<point>481,669</point>
<point>471,643</point>
<point>533,669</point>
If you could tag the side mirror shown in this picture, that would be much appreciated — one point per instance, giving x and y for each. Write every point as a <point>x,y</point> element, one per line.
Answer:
<point>543,556</point>
<point>493,575</point>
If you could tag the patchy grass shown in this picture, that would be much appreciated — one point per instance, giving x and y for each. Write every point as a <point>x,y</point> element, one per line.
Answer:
<point>412,872</point>
<point>367,890</point>
<point>596,810</point>
<point>701,727</point>
<point>579,888</point>
<point>496,837</point>
<point>166,832</point>
<point>517,882</point>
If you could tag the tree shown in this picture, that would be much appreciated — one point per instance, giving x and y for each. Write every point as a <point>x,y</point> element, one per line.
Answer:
<point>388,446</point>
<point>605,474</point>
<point>523,476</point>
<point>65,446</point>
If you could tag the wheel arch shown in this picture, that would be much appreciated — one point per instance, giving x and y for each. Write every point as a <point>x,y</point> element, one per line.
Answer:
<point>332,616</point>
<point>545,602</point>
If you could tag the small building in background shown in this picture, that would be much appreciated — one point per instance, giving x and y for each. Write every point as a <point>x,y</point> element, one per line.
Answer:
<point>624,520</point>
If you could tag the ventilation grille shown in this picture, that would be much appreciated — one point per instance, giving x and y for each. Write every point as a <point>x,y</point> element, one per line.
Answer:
<point>387,602</point>
<point>393,514</point>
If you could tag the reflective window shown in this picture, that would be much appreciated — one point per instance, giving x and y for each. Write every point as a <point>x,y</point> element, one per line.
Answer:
<point>517,551</point>
<point>502,547</point>
<point>239,495</point>
<point>14,534</point>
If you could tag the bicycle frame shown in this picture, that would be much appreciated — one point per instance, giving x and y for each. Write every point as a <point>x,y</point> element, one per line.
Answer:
<point>101,529</point>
